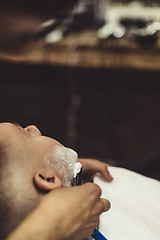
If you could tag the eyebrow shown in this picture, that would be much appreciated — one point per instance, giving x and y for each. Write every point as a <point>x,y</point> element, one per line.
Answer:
<point>18,126</point>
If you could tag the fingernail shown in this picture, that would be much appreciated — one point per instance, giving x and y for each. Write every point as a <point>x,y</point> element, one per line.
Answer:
<point>107,206</point>
<point>110,178</point>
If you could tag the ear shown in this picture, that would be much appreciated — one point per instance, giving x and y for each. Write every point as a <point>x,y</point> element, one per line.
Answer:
<point>47,181</point>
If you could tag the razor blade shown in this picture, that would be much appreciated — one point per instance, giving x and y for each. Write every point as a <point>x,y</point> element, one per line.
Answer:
<point>77,181</point>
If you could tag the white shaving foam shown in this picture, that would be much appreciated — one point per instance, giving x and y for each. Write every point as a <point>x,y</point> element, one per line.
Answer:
<point>77,168</point>
<point>64,161</point>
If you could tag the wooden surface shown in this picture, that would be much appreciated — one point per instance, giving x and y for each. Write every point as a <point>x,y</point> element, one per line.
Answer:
<point>84,49</point>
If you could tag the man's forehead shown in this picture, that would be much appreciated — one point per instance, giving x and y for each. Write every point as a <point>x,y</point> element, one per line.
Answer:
<point>7,129</point>
<point>6,135</point>
<point>6,125</point>
<point>13,140</point>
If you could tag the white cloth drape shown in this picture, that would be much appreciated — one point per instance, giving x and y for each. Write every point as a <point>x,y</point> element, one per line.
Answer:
<point>135,206</point>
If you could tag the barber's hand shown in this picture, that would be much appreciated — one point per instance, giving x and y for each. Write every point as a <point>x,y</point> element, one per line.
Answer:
<point>77,210</point>
<point>92,207</point>
<point>91,166</point>
<point>69,213</point>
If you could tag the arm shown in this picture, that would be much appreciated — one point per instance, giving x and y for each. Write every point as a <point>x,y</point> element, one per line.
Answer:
<point>91,166</point>
<point>69,213</point>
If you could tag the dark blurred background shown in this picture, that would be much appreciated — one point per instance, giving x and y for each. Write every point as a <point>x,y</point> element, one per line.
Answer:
<point>107,112</point>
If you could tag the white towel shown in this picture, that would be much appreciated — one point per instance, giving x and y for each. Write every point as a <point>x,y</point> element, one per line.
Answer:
<point>135,206</point>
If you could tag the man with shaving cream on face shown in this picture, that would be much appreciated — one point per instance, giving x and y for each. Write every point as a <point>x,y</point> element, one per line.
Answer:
<point>38,202</point>
<point>36,197</point>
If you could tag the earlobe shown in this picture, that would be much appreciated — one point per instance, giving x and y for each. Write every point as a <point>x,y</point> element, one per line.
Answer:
<point>47,182</point>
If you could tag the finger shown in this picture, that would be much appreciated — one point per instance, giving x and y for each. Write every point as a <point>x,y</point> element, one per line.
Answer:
<point>92,167</point>
<point>90,193</point>
<point>92,189</point>
<point>102,168</point>
<point>106,204</point>
<point>105,173</point>
<point>101,206</point>
<point>92,223</point>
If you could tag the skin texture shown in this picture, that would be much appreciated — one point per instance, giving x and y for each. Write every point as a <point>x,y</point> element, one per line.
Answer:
<point>27,175</point>
<point>50,223</point>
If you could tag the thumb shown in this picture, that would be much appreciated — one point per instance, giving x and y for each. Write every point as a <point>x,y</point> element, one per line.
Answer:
<point>106,174</point>
<point>106,204</point>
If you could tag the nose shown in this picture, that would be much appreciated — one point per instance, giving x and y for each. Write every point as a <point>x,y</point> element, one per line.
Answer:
<point>33,130</point>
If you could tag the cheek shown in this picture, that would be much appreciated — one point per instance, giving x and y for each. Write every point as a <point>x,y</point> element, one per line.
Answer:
<point>61,160</point>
